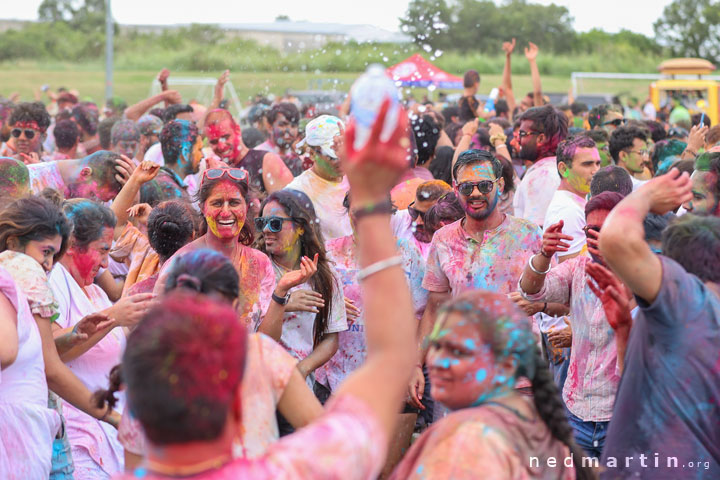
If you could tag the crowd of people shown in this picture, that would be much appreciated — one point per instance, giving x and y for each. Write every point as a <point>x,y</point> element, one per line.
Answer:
<point>522,291</point>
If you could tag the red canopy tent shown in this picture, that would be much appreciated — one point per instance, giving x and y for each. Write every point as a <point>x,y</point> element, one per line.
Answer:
<point>415,71</point>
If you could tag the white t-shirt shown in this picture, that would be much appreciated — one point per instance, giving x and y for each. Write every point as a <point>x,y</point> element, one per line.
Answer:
<point>327,198</point>
<point>570,208</point>
<point>536,189</point>
<point>154,154</point>
<point>649,111</point>
<point>297,330</point>
<point>637,183</point>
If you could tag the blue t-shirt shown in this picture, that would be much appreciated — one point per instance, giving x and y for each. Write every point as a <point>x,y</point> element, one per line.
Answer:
<point>667,406</point>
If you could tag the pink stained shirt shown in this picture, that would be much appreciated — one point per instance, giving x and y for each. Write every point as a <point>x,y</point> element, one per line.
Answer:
<point>457,262</point>
<point>592,377</point>
<point>348,425</point>
<point>536,189</point>
<point>488,439</point>
<point>45,175</point>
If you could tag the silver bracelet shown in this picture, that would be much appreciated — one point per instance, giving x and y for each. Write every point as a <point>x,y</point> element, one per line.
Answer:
<point>532,267</point>
<point>378,267</point>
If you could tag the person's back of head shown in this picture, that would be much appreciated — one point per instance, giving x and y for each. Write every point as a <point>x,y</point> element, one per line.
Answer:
<point>102,164</point>
<point>623,138</point>
<point>471,79</point>
<point>204,271</point>
<point>451,114</point>
<point>172,112</point>
<point>664,150</point>
<point>124,130</point>
<point>14,179</point>
<point>427,133</point>
<point>177,139</point>
<point>169,228</point>
<point>149,125</point>
<point>712,137</point>
<point>440,167</point>
<point>597,114</point>
<point>611,179</point>
<point>656,129</point>
<point>694,242</point>
<point>86,117</point>
<point>696,118</point>
<point>252,137</point>
<point>501,108</point>
<point>578,108</point>
<point>654,225</point>
<point>183,365</point>
<point>446,211</point>
<point>66,134</point>
<point>105,130</point>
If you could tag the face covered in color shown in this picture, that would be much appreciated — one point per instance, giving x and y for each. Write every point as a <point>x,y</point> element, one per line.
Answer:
<point>282,242</point>
<point>585,163</point>
<point>225,210</point>
<point>284,133</point>
<point>462,366</point>
<point>223,134</point>
<point>478,205</point>
<point>703,202</point>
<point>85,262</point>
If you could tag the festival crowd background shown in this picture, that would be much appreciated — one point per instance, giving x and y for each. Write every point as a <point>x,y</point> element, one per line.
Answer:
<point>485,294</point>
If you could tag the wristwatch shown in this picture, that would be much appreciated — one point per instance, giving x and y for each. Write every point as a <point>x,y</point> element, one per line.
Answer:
<point>281,300</point>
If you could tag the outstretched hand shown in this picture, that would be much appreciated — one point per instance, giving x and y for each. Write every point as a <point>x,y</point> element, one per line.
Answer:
<point>145,172</point>
<point>613,294</point>
<point>291,279</point>
<point>553,240</point>
<point>508,47</point>
<point>669,191</point>
<point>531,51</point>
<point>375,169</point>
<point>88,326</point>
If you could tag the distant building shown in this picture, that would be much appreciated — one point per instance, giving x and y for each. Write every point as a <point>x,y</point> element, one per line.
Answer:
<point>289,36</point>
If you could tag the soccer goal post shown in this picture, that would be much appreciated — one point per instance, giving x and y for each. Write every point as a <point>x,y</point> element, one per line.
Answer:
<point>200,89</point>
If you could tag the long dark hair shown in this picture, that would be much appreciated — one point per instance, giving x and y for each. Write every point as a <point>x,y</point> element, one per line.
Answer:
<point>246,233</point>
<point>508,333</point>
<point>299,207</point>
<point>31,219</point>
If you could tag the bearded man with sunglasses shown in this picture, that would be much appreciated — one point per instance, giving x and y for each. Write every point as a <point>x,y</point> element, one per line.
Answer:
<point>486,249</point>
<point>28,123</point>
<point>541,130</point>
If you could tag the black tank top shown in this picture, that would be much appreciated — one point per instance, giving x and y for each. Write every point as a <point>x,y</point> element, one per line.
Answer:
<point>253,162</point>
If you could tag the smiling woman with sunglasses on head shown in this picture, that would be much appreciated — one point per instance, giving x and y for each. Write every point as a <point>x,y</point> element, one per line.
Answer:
<point>222,197</point>
<point>315,311</point>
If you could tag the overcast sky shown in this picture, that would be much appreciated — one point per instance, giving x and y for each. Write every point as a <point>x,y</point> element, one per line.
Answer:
<point>610,15</point>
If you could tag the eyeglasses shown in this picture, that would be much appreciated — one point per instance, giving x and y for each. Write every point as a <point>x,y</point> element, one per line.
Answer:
<point>642,153</point>
<point>522,134</point>
<point>29,134</point>
<point>239,174</point>
<point>215,141</point>
<point>594,228</point>
<point>617,122</point>
<point>415,213</point>
<point>483,186</point>
<point>273,222</point>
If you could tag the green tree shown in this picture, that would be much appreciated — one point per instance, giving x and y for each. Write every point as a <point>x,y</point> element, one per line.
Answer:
<point>690,28</point>
<point>428,23</point>
<point>88,16</point>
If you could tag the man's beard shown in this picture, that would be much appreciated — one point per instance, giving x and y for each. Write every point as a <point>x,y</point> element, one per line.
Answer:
<point>421,234</point>
<point>484,213</point>
<point>529,153</point>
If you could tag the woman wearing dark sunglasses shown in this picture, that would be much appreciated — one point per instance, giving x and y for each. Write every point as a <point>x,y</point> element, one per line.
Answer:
<point>223,200</point>
<point>288,230</point>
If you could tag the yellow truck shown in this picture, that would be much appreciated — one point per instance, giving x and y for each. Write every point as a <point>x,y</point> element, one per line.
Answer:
<point>699,94</point>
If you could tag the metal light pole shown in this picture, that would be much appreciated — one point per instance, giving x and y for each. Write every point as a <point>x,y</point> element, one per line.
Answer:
<point>109,32</point>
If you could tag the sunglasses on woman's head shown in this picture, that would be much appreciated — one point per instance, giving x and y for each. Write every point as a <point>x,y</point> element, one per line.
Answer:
<point>29,134</point>
<point>273,222</point>
<point>239,174</point>
<point>483,186</point>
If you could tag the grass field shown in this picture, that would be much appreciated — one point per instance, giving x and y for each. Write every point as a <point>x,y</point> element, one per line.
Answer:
<point>132,86</point>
